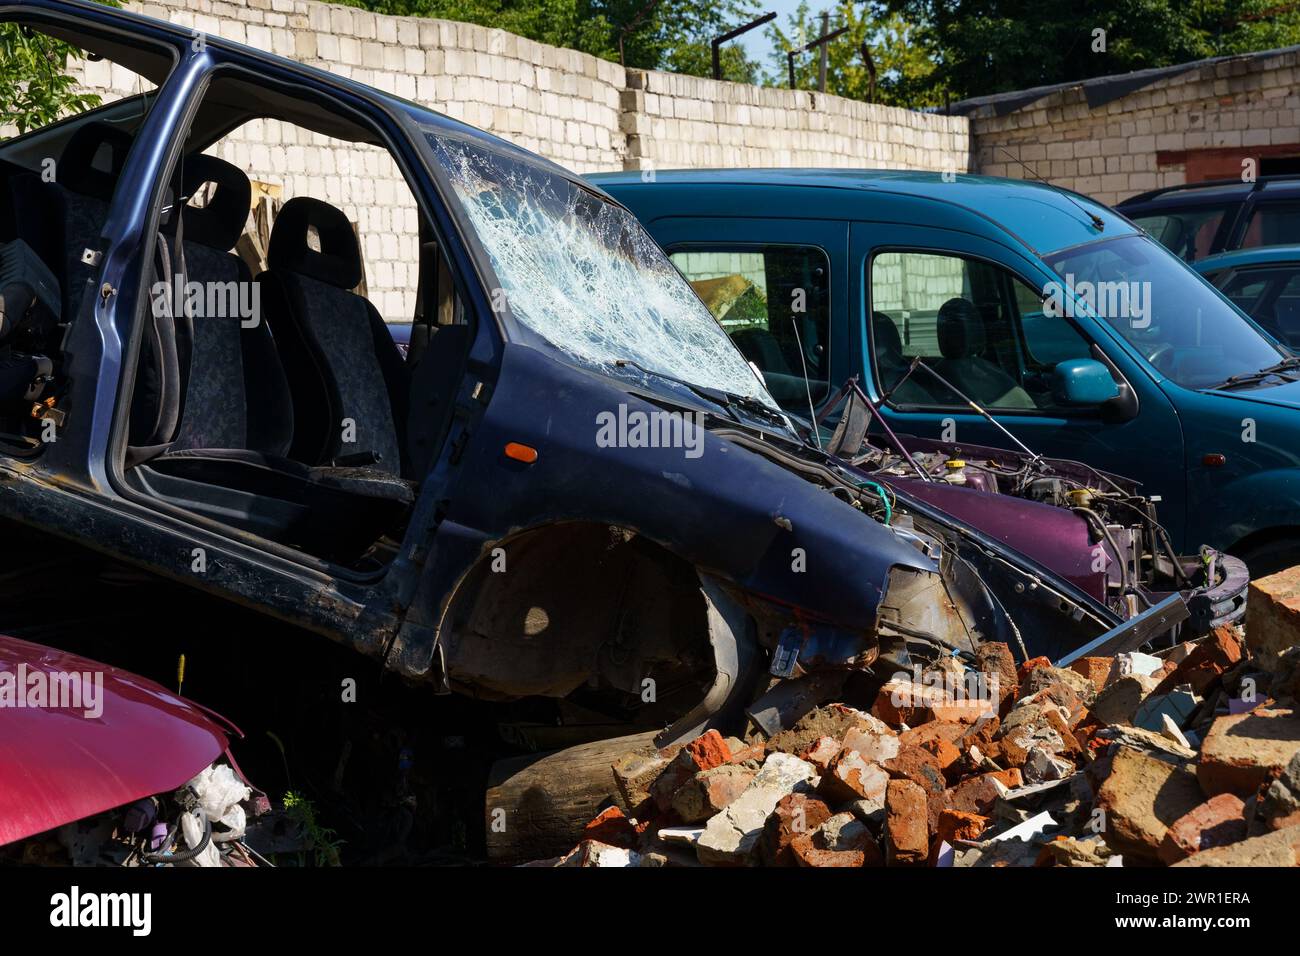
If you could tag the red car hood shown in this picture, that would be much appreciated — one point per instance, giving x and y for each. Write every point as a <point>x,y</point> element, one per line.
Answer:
<point>129,739</point>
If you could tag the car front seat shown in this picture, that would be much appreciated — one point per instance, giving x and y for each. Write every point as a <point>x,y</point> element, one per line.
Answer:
<point>347,376</point>
<point>962,341</point>
<point>891,363</point>
<point>230,458</point>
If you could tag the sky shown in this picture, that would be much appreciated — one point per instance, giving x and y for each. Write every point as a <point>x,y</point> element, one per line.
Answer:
<point>756,42</point>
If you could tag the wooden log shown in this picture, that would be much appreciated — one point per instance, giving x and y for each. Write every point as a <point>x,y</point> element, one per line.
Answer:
<point>537,805</point>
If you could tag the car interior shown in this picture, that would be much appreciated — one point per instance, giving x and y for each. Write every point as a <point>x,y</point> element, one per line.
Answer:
<point>788,345</point>
<point>304,425</point>
<point>991,341</point>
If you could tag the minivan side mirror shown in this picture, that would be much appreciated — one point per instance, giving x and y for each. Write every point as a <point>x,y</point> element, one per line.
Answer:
<point>1083,382</point>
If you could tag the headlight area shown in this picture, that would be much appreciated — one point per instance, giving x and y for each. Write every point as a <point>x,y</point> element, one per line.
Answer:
<point>922,617</point>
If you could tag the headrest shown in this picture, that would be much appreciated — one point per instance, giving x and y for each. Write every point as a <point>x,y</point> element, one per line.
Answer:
<point>93,159</point>
<point>885,333</point>
<point>219,222</point>
<point>339,260</point>
<point>960,329</point>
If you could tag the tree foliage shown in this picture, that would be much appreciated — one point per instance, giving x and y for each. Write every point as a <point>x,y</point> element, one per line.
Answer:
<point>991,46</point>
<point>905,71</point>
<point>35,87</point>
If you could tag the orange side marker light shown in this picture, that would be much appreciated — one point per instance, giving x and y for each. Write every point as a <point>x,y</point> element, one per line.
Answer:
<point>518,452</point>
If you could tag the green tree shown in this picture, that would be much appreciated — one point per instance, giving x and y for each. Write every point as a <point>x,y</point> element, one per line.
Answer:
<point>35,87</point>
<point>905,71</point>
<point>991,46</point>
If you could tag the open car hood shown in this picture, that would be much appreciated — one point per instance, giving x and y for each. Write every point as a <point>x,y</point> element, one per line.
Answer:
<point>129,740</point>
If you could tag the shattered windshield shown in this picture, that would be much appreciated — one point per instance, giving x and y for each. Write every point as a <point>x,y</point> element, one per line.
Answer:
<point>583,276</point>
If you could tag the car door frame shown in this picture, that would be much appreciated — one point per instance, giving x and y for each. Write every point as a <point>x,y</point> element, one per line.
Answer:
<point>81,481</point>
<point>736,233</point>
<point>869,238</point>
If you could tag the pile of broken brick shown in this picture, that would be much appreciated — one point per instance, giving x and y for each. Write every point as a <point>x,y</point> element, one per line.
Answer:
<point>1190,756</point>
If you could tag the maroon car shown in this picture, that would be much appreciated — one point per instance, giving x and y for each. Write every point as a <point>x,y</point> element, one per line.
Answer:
<point>100,766</point>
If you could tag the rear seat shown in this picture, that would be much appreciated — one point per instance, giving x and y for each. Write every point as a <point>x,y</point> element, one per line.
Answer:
<point>59,220</point>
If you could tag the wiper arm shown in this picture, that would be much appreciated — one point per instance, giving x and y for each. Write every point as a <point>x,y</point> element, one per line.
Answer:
<point>716,396</point>
<point>755,407</point>
<point>729,401</point>
<point>1247,378</point>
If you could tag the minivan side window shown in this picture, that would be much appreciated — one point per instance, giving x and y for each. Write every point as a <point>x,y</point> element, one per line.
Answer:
<point>975,324</point>
<point>774,302</point>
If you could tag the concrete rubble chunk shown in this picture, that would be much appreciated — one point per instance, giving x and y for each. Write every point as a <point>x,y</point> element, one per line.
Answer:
<point>711,791</point>
<point>1041,678</point>
<point>1217,822</point>
<point>1122,697</point>
<point>1135,662</point>
<point>1273,615</point>
<point>1206,662</point>
<point>996,661</point>
<point>1177,705</point>
<point>1074,851</point>
<point>1156,745</point>
<point>705,752</point>
<point>1038,724</point>
<point>1241,752</point>
<point>731,837</point>
<point>593,853</point>
<point>795,815</point>
<point>635,773</point>
<point>1141,798</point>
<point>831,720</point>
<point>1279,806</point>
<point>1280,848</point>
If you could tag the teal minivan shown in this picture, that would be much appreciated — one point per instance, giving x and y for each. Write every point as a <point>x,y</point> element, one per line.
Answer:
<point>1077,332</point>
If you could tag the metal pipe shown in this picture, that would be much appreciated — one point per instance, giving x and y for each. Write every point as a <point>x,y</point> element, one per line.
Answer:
<point>811,45</point>
<point>731,35</point>
<point>871,70</point>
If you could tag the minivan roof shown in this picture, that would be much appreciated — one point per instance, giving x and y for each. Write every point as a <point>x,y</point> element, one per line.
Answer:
<point>1043,217</point>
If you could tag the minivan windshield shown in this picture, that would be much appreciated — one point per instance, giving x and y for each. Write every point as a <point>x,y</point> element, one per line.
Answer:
<point>1183,328</point>
<point>585,279</point>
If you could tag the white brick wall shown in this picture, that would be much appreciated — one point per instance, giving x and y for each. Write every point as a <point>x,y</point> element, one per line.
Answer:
<point>1110,152</point>
<point>585,113</point>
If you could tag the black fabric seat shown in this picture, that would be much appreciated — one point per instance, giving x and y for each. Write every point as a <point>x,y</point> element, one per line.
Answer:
<point>59,220</point>
<point>963,340</point>
<point>350,384</point>
<point>231,455</point>
<point>891,363</point>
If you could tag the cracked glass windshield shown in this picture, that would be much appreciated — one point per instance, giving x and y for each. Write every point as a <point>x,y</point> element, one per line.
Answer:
<point>584,277</point>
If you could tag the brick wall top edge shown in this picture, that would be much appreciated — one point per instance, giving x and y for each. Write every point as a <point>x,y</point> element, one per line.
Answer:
<point>985,117</point>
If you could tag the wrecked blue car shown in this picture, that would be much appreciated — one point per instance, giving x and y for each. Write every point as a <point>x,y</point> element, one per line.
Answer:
<point>572,483</point>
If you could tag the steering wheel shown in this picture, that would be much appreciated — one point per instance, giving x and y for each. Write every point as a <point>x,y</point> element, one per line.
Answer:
<point>1160,355</point>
